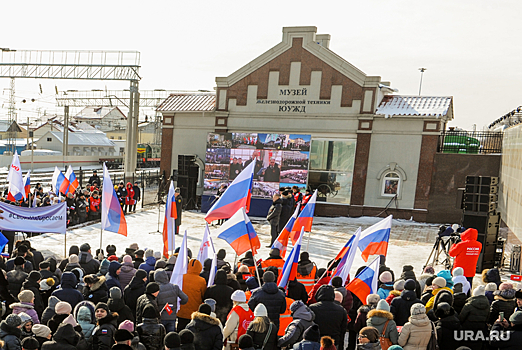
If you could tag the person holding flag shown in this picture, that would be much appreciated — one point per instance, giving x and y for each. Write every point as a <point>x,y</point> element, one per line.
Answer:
<point>167,299</point>
<point>169,224</point>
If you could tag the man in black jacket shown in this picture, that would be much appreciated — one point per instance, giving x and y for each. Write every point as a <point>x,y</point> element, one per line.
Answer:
<point>149,298</point>
<point>137,195</point>
<point>206,329</point>
<point>330,316</point>
<point>88,264</point>
<point>400,306</point>
<point>269,295</point>
<point>274,214</point>
<point>221,293</point>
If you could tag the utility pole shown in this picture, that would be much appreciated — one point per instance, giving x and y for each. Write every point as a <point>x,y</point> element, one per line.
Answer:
<point>11,115</point>
<point>65,132</point>
<point>422,70</point>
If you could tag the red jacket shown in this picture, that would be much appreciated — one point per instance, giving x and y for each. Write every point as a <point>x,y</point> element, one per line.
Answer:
<point>466,253</point>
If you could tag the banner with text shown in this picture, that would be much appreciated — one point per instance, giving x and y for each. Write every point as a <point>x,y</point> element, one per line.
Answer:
<point>51,219</point>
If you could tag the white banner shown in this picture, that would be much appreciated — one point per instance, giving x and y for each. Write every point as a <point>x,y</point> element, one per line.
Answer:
<point>51,219</point>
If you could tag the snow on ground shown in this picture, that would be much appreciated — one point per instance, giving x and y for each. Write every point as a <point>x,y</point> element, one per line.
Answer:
<point>410,242</point>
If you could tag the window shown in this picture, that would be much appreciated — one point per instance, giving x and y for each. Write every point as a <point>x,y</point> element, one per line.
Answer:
<point>112,137</point>
<point>119,137</point>
<point>391,183</point>
<point>331,169</point>
<point>49,139</point>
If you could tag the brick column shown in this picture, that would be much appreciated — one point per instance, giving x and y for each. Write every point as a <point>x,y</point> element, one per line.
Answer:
<point>424,175</point>
<point>360,167</point>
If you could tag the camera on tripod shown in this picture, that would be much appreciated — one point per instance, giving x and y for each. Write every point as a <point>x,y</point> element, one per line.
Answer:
<point>452,231</point>
<point>446,237</point>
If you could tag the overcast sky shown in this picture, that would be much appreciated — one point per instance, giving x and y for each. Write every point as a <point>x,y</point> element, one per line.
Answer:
<point>472,49</point>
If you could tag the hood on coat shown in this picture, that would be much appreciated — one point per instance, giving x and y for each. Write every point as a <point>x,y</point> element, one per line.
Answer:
<point>305,267</point>
<point>446,274</point>
<point>98,284</point>
<point>127,267</point>
<point>84,257</point>
<point>161,277</point>
<point>479,302</point>
<point>469,235</point>
<point>386,315</point>
<point>53,301</point>
<point>136,283</point>
<point>204,318</point>
<point>112,317</point>
<point>66,333</point>
<point>115,305</point>
<point>194,267</point>
<point>443,296</point>
<point>304,313</point>
<point>408,295</point>
<point>419,320</point>
<point>68,280</point>
<point>406,275</point>
<point>325,293</point>
<point>84,315</point>
<point>150,261</point>
<point>113,267</point>
<point>207,264</point>
<point>270,288</point>
<point>221,278</point>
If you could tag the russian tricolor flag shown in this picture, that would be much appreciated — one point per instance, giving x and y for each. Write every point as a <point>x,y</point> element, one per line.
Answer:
<point>206,250</point>
<point>366,282</point>
<point>374,240</point>
<point>305,218</point>
<point>169,244</point>
<point>236,196</point>
<point>16,182</point>
<point>112,217</point>
<point>27,183</point>
<point>343,269</point>
<point>59,182</point>
<point>239,233</point>
<point>281,241</point>
<point>290,266</point>
<point>73,181</point>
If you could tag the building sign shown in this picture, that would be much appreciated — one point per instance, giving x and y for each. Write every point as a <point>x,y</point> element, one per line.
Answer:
<point>296,103</point>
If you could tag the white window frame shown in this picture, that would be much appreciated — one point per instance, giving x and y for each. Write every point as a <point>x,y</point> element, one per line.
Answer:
<point>383,183</point>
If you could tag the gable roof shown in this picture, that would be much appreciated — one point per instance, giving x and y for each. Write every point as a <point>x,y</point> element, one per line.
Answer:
<point>189,102</point>
<point>432,106</point>
<point>83,139</point>
<point>97,112</point>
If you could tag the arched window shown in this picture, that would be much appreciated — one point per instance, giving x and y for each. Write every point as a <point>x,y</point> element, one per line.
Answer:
<point>391,184</point>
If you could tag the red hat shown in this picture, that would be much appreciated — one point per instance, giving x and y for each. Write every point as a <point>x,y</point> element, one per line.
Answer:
<point>112,258</point>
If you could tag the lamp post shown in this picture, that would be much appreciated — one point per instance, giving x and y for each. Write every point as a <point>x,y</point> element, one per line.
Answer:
<point>422,70</point>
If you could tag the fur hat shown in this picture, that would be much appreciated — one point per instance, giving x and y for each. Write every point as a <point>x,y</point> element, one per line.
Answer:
<point>417,309</point>
<point>296,305</point>
<point>19,261</point>
<point>505,285</point>
<point>410,285</point>
<point>30,343</point>
<point>26,296</point>
<point>429,269</point>
<point>152,288</point>
<point>128,325</point>
<point>338,296</point>
<point>103,306</point>
<point>110,249</point>
<point>73,259</point>
<point>383,305</point>
<point>491,287</point>
<point>63,308</point>
<point>91,279</point>
<point>399,285</point>
<point>312,334</point>
<point>41,330</point>
<point>123,335</point>
<point>172,340</point>
<point>134,246</point>
<point>516,318</point>
<point>386,277</point>
<point>372,299</point>
<point>518,294</point>
<point>127,259</point>
<point>439,281</point>
<point>205,309</point>
<point>186,337</point>
<point>371,333</point>
<point>149,253</point>
<point>245,341</point>
<point>46,284</point>
<point>260,310</point>
<point>480,290</point>
<point>34,276</point>
<point>139,253</point>
<point>13,321</point>
<point>115,293</point>
<point>238,296</point>
<point>458,271</point>
<point>268,277</point>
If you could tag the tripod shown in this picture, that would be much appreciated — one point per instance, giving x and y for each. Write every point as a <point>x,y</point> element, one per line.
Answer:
<point>441,247</point>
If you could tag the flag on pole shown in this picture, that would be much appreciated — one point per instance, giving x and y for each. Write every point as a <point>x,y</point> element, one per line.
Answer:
<point>206,250</point>
<point>213,270</point>
<point>15,179</point>
<point>343,269</point>
<point>366,282</point>
<point>180,268</point>
<point>27,183</point>
<point>281,241</point>
<point>305,218</point>
<point>3,242</point>
<point>59,182</point>
<point>73,181</point>
<point>112,218</point>
<point>168,309</point>
<point>374,240</point>
<point>236,196</point>
<point>169,224</point>
<point>239,233</point>
<point>290,267</point>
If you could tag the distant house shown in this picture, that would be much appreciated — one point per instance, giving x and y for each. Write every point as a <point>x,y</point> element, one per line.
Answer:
<point>102,118</point>
<point>80,143</point>
<point>17,130</point>
<point>51,125</point>
<point>146,133</point>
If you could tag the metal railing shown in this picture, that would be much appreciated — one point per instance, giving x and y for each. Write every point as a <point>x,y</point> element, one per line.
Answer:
<point>470,142</point>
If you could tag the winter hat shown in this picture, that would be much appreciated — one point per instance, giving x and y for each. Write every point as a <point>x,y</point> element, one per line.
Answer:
<point>439,281</point>
<point>110,249</point>
<point>518,294</point>
<point>397,347</point>
<point>41,330</point>
<point>457,288</point>
<point>103,306</point>
<point>115,293</point>
<point>458,271</point>
<point>73,259</point>
<point>127,259</point>
<point>70,320</point>
<point>371,333</point>
<point>312,334</point>
<point>417,309</point>
<point>252,283</point>
<point>443,309</point>
<point>26,296</point>
<point>268,277</point>
<point>399,285</point>
<point>243,269</point>
<point>260,310</point>
<point>172,260</point>
<point>407,268</point>
<point>157,255</point>
<point>134,246</point>
<point>123,335</point>
<point>386,277</point>
<point>337,281</point>
<point>30,343</point>
<point>372,299</point>
<point>112,258</point>
<point>47,283</point>
<point>91,279</point>
<point>338,296</point>
<point>139,253</point>
<point>491,287</point>
<point>409,285</point>
<point>238,296</point>
<point>127,325</point>
<point>212,303</point>
<point>13,321</point>
<point>205,309</point>
<point>63,308</point>
<point>383,305</point>
<point>505,285</point>
<point>85,247</point>
<point>34,276</point>
<point>186,336</point>
<point>150,311</point>
<point>25,317</point>
<point>245,341</point>
<point>221,254</point>
<point>140,274</point>
<point>430,270</point>
<point>172,340</point>
<point>160,264</point>
<point>104,266</point>
<point>149,253</point>
<point>479,291</point>
<point>296,305</point>
<point>304,256</point>
<point>44,265</point>
<point>275,252</point>
<point>516,318</point>
<point>152,288</point>
<point>19,261</point>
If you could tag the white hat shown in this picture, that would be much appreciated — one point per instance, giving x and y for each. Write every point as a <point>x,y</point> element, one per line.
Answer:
<point>238,296</point>
<point>458,271</point>
<point>417,309</point>
<point>260,310</point>
<point>480,290</point>
<point>491,287</point>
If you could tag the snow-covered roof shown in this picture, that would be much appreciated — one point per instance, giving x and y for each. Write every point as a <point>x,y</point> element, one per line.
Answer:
<point>96,112</point>
<point>83,138</point>
<point>58,125</point>
<point>4,126</point>
<point>189,102</point>
<point>435,106</point>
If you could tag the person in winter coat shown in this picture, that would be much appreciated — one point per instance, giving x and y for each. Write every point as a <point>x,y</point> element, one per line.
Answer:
<point>369,339</point>
<point>42,333</point>
<point>466,253</point>
<point>149,298</point>
<point>169,294</point>
<point>504,302</point>
<point>127,271</point>
<point>150,261</point>
<point>446,274</point>
<point>408,273</point>
<point>491,276</point>
<point>63,310</point>
<point>415,334</point>
<point>96,289</point>
<point>194,287</point>
<point>86,321</point>
<point>446,326</point>
<point>111,278</point>
<point>206,329</point>
<point>513,339</point>
<point>381,317</point>
<point>26,305</point>
<point>428,272</point>
<point>130,201</point>
<point>89,265</point>
<point>117,305</point>
<point>67,291</point>
<point>459,297</point>
<point>385,284</point>
<point>303,318</point>
<point>221,293</point>
<point>16,277</point>
<point>362,313</point>
<point>10,332</point>
<point>474,315</point>
<point>438,284</point>
<point>32,283</point>
<point>65,338</point>
<point>347,295</point>
<point>238,319</point>
<point>103,333</point>
<point>330,316</point>
<point>458,277</point>
<point>287,208</point>
<point>311,339</point>
<point>489,291</point>
<point>273,216</point>
<point>151,332</point>
<point>443,296</point>
<point>135,289</point>
<point>400,306</point>
<point>296,291</point>
<point>49,310</point>
<point>271,297</point>
<point>398,287</point>
<point>262,330</point>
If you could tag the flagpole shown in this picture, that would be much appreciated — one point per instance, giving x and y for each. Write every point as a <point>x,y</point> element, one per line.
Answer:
<point>65,245</point>
<point>235,261</point>
<point>328,268</point>
<point>308,242</point>
<point>255,262</point>
<point>101,234</point>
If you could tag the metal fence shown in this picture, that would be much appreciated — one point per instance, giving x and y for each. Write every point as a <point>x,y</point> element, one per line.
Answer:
<point>153,189</point>
<point>470,142</point>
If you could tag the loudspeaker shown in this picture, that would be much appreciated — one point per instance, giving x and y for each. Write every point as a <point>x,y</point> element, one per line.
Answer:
<point>487,226</point>
<point>480,194</point>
